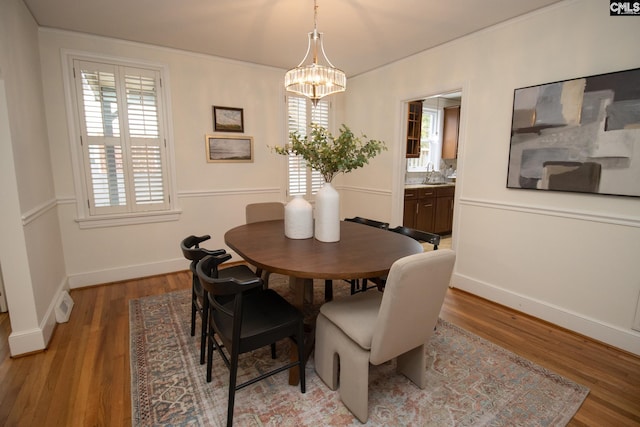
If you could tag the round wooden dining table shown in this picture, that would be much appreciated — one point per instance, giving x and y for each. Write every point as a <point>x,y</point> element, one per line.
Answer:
<point>362,252</point>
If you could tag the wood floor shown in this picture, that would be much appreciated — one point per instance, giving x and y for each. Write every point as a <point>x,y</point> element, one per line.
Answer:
<point>83,378</point>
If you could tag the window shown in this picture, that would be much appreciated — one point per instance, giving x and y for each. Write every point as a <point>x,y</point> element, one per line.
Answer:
<point>429,142</point>
<point>301,113</point>
<point>122,152</point>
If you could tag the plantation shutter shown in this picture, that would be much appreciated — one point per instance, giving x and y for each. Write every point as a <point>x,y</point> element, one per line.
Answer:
<point>122,145</point>
<point>319,116</point>
<point>301,113</point>
<point>144,133</point>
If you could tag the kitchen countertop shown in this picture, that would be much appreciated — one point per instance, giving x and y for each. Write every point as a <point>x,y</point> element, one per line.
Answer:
<point>414,186</point>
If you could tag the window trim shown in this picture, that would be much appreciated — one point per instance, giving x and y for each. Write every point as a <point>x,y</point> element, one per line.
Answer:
<point>84,217</point>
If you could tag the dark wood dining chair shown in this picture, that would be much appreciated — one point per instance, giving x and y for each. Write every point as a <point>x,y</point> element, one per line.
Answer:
<point>357,285</point>
<point>192,251</point>
<point>418,235</point>
<point>369,222</point>
<point>246,317</point>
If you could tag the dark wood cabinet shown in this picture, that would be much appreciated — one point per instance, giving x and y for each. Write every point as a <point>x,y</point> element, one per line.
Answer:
<point>419,208</point>
<point>409,217</point>
<point>443,218</point>
<point>450,132</point>
<point>425,209</point>
<point>429,209</point>
<point>414,129</point>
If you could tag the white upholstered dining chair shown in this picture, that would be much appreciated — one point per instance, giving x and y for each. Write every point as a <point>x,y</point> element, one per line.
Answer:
<point>375,327</point>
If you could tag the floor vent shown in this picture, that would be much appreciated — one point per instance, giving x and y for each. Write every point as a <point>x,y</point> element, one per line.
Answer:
<point>63,309</point>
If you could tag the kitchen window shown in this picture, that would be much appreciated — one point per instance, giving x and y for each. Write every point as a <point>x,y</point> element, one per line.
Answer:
<point>429,141</point>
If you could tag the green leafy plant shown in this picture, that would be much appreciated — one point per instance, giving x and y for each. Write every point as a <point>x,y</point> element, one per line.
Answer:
<point>330,155</point>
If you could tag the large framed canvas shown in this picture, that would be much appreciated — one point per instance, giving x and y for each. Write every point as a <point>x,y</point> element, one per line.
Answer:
<point>579,135</point>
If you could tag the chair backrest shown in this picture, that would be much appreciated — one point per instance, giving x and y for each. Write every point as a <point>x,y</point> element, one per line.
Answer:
<point>189,246</point>
<point>411,303</point>
<point>369,222</point>
<point>421,236</point>
<point>193,252</point>
<point>267,211</point>
<point>207,271</point>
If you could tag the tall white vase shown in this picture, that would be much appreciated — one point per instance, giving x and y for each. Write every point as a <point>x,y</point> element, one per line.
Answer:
<point>298,219</point>
<point>327,214</point>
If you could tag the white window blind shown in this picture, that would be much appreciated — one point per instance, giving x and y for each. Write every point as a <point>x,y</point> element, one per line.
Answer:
<point>122,139</point>
<point>301,114</point>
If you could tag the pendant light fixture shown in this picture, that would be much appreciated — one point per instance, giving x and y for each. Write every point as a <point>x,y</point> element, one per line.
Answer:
<point>312,78</point>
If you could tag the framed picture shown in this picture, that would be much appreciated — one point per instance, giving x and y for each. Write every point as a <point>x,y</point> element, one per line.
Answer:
<point>580,135</point>
<point>229,149</point>
<point>227,119</point>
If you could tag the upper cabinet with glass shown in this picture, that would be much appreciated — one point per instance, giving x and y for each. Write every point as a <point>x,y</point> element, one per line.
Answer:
<point>414,129</point>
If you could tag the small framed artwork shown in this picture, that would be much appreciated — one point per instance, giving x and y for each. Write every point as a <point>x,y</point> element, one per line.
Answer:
<point>229,149</point>
<point>227,119</point>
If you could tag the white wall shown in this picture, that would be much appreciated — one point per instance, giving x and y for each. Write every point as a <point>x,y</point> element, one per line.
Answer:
<point>568,258</point>
<point>30,249</point>
<point>211,196</point>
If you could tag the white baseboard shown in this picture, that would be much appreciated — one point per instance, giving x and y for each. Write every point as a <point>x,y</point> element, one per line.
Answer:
<point>93,278</point>
<point>24,342</point>
<point>627,340</point>
<point>36,339</point>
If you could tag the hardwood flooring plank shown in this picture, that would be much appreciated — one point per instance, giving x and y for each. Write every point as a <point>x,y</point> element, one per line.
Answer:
<point>84,376</point>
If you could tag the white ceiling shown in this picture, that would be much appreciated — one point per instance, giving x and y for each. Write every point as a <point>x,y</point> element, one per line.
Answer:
<point>359,35</point>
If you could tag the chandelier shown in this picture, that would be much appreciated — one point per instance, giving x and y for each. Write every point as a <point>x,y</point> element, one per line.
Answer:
<point>311,78</point>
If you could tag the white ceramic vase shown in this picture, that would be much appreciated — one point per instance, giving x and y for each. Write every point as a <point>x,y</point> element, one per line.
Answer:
<point>327,214</point>
<point>298,219</point>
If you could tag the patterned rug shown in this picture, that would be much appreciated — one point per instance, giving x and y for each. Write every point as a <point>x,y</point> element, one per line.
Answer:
<point>470,381</point>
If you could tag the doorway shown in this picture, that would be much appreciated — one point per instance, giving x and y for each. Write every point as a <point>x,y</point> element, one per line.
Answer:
<point>430,174</point>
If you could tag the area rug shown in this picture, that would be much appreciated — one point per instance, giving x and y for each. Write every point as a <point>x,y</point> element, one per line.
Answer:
<point>470,381</point>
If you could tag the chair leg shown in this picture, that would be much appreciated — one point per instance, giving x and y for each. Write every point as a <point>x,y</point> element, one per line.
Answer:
<point>265,279</point>
<point>301,358</point>
<point>194,301</point>
<point>354,378</point>
<point>331,344</point>
<point>273,350</point>
<point>205,322</point>
<point>413,364</point>
<point>328,290</point>
<point>210,350</point>
<point>233,373</point>
<point>326,365</point>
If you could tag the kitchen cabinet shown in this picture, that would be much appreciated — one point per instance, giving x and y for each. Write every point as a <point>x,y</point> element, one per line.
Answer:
<point>429,208</point>
<point>414,129</point>
<point>450,132</point>
<point>443,217</point>
<point>419,208</point>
